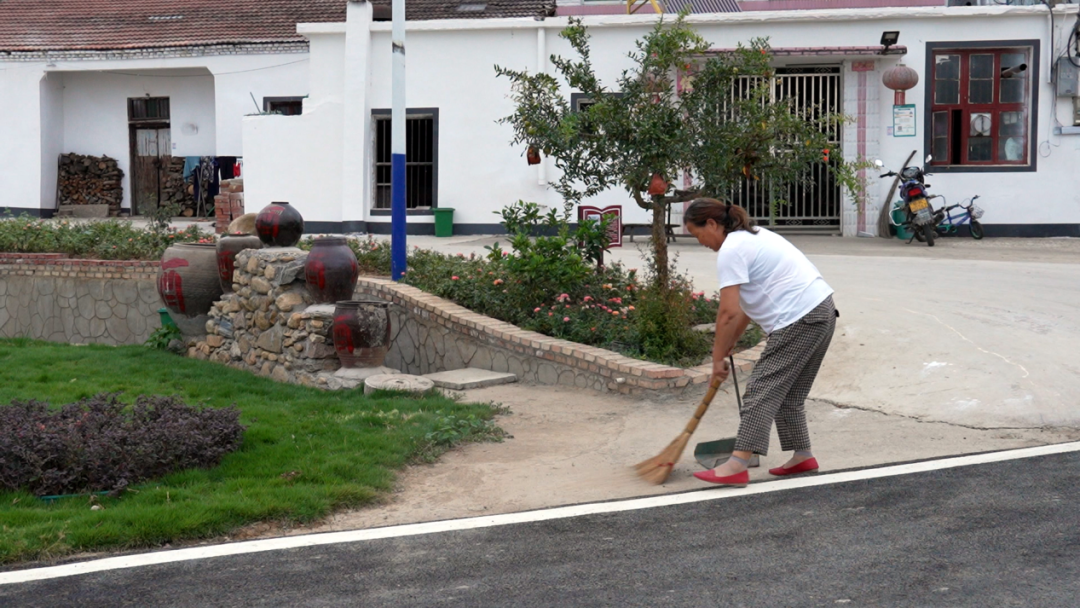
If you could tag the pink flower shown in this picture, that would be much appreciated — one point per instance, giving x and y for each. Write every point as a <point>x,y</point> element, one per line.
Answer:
<point>537,309</point>
<point>631,308</point>
<point>550,313</point>
<point>588,299</point>
<point>566,319</point>
<point>454,278</point>
<point>497,282</point>
<point>506,253</point>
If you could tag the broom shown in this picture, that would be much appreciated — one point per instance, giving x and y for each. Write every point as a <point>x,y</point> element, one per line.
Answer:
<point>656,469</point>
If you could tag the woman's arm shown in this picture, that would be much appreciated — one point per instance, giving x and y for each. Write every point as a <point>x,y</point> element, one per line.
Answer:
<point>731,322</point>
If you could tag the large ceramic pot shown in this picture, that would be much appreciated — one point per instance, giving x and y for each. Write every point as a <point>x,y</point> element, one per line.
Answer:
<point>227,247</point>
<point>362,332</point>
<point>331,270</point>
<point>279,225</point>
<point>188,284</point>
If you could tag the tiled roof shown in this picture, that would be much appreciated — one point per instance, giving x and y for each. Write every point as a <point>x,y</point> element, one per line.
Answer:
<point>419,10</point>
<point>698,7</point>
<point>42,25</point>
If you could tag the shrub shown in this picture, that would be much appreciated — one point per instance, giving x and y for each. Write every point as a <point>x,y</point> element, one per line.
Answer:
<point>99,444</point>
<point>103,240</point>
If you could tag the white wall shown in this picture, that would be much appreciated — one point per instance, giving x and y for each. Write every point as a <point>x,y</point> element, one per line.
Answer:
<point>450,66</point>
<point>20,136</point>
<point>284,163</point>
<point>96,118</point>
<point>82,108</point>
<point>238,78</point>
<point>52,135</point>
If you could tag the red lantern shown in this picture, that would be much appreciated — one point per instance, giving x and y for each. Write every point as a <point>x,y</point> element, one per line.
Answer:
<point>533,155</point>
<point>657,186</point>
<point>900,78</point>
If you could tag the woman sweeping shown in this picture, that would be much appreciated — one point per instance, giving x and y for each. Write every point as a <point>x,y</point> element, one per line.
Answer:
<point>765,279</point>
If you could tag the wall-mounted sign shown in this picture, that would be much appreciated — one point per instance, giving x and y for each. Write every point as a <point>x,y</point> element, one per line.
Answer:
<point>903,120</point>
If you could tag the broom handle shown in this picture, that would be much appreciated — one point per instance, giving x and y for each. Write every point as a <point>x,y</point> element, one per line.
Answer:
<point>735,379</point>
<point>703,407</point>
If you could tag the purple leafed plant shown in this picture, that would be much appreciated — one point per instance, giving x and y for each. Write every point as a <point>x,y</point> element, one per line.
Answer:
<point>101,444</point>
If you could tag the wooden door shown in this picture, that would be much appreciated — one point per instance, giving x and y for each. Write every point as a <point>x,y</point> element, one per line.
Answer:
<point>151,147</point>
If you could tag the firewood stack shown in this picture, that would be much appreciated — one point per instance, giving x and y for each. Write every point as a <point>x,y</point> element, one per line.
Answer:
<point>91,180</point>
<point>173,188</point>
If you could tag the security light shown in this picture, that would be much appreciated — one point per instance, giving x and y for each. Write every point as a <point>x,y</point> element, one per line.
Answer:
<point>888,39</point>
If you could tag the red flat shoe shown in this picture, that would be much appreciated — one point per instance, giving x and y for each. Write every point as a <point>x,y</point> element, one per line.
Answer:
<point>805,466</point>
<point>738,480</point>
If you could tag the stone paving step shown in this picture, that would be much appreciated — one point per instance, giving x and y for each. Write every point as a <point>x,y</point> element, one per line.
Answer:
<point>470,378</point>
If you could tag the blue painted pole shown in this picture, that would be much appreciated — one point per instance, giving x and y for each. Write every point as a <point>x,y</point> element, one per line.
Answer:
<point>398,147</point>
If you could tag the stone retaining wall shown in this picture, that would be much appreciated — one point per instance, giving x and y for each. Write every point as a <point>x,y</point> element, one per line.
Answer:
<point>431,334</point>
<point>51,297</point>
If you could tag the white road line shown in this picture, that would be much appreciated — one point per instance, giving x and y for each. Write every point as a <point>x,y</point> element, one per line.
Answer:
<point>330,538</point>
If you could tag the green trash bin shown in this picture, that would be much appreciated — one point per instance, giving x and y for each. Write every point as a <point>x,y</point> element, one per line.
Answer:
<point>444,221</point>
<point>898,217</point>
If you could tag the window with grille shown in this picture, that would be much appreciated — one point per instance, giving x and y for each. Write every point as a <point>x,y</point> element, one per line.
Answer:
<point>421,159</point>
<point>983,106</point>
<point>148,109</point>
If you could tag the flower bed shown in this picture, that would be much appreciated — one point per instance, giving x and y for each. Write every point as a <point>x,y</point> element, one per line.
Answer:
<point>99,240</point>
<point>548,284</point>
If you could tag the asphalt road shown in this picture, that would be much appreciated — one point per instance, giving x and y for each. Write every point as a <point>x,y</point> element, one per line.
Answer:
<point>1003,534</point>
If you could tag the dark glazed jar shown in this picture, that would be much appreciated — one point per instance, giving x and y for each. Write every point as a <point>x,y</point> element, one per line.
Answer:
<point>227,247</point>
<point>331,270</point>
<point>362,332</point>
<point>279,225</point>
<point>188,280</point>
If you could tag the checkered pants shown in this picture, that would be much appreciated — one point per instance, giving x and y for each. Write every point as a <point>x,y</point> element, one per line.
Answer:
<point>781,381</point>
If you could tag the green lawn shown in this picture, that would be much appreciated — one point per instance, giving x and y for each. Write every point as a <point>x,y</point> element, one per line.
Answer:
<point>306,452</point>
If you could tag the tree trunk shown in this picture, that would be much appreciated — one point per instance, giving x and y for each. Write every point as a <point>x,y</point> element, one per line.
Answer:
<point>659,240</point>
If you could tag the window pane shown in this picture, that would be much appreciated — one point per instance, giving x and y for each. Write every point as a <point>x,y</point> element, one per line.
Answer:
<point>941,125</point>
<point>980,149</point>
<point>1012,124</point>
<point>948,67</point>
<point>982,66</point>
<point>980,125</point>
<point>981,91</point>
<point>947,92</point>
<point>1012,89</point>
<point>1011,149</point>
<point>941,149</point>
<point>1010,60</point>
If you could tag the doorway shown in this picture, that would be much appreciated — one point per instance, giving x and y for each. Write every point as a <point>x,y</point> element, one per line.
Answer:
<point>151,150</point>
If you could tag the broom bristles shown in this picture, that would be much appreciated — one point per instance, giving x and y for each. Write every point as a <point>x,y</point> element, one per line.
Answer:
<point>657,469</point>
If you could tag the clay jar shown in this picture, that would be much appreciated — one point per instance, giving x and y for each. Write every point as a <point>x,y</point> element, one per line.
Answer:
<point>331,270</point>
<point>227,247</point>
<point>362,332</point>
<point>279,225</point>
<point>188,284</point>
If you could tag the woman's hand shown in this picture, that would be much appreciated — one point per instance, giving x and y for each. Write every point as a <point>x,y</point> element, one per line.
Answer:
<point>720,369</point>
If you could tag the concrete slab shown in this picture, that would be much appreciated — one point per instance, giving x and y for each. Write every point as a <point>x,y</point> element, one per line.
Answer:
<point>397,382</point>
<point>470,378</point>
<point>359,374</point>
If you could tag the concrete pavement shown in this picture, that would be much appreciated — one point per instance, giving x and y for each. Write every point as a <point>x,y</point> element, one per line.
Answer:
<point>976,333</point>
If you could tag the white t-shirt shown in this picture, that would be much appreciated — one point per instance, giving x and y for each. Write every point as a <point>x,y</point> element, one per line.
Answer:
<point>777,284</point>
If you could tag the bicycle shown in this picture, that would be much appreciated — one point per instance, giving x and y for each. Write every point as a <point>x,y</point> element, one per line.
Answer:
<point>947,224</point>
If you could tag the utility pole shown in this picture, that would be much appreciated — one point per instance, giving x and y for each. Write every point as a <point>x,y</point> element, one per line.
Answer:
<point>398,147</point>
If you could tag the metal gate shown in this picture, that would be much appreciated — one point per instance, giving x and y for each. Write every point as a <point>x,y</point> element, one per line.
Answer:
<point>815,206</point>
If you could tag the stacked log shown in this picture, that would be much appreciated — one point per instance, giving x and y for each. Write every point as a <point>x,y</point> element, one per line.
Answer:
<point>91,180</point>
<point>173,188</point>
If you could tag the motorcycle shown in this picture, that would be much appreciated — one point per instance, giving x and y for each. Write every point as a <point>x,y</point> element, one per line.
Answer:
<point>920,216</point>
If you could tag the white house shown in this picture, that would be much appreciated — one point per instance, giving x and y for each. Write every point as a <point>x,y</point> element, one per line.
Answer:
<point>1011,139</point>
<point>140,78</point>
